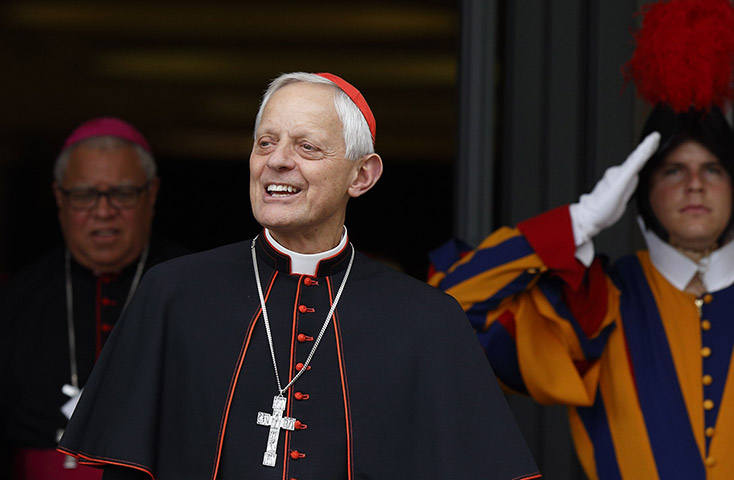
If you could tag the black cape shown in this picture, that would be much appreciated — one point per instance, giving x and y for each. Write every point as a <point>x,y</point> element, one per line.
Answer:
<point>398,388</point>
<point>35,345</point>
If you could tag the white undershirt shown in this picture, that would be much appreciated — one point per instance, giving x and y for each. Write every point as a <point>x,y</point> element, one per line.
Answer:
<point>307,263</point>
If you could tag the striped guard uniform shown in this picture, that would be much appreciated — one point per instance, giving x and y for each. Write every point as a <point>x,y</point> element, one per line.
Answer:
<point>644,367</point>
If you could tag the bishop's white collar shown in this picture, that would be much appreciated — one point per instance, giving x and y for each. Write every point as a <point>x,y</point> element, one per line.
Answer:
<point>717,270</point>
<point>306,263</point>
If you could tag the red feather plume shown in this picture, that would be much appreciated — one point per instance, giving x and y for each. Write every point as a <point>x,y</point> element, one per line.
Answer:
<point>684,54</point>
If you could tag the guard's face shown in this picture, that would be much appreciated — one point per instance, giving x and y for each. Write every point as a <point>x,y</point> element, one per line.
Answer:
<point>299,178</point>
<point>105,238</point>
<point>691,195</point>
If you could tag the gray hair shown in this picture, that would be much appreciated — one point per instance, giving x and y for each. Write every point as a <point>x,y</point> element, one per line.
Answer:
<point>357,136</point>
<point>105,142</point>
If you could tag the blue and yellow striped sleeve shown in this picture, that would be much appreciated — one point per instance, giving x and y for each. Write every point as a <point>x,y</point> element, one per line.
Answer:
<point>541,316</point>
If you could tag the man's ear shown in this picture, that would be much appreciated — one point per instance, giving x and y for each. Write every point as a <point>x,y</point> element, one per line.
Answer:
<point>155,185</point>
<point>368,173</point>
<point>57,193</point>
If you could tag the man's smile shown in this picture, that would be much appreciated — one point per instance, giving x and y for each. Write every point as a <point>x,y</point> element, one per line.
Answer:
<point>281,190</point>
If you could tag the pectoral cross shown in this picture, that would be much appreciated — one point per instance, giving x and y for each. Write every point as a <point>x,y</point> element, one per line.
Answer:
<point>276,421</point>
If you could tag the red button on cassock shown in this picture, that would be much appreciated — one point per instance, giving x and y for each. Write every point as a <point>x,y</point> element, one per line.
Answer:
<point>308,281</point>
<point>300,426</point>
<point>302,337</point>
<point>295,455</point>
<point>299,366</point>
<point>301,396</point>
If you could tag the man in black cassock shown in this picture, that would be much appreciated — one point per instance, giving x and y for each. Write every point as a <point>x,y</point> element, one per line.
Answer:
<point>292,356</point>
<point>56,314</point>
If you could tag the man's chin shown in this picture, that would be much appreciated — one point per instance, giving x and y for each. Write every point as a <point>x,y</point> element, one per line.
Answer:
<point>107,260</point>
<point>696,242</point>
<point>277,223</point>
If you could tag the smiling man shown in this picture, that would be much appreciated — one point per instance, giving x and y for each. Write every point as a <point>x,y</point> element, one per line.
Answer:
<point>57,314</point>
<point>292,355</point>
<point>301,175</point>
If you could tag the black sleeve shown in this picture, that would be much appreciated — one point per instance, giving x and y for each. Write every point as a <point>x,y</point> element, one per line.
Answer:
<point>122,473</point>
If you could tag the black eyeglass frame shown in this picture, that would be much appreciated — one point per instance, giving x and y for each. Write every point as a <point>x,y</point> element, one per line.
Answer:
<point>110,193</point>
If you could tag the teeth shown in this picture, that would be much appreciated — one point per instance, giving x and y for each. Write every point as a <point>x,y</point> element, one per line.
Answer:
<point>282,189</point>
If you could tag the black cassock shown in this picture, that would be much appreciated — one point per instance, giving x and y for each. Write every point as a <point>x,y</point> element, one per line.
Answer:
<point>398,388</point>
<point>34,343</point>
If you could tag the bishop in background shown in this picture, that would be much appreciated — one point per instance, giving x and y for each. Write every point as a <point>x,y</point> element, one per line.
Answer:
<point>291,355</point>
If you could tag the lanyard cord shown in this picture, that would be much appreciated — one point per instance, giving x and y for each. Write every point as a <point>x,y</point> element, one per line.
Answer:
<point>73,367</point>
<point>281,390</point>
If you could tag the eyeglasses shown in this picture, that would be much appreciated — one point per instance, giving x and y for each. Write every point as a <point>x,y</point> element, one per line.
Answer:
<point>118,197</point>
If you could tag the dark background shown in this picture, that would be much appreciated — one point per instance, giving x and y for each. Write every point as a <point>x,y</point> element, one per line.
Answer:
<point>190,74</point>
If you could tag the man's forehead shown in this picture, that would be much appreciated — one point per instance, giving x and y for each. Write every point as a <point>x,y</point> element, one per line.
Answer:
<point>119,154</point>
<point>691,150</point>
<point>302,95</point>
<point>300,108</point>
<point>307,87</point>
<point>91,161</point>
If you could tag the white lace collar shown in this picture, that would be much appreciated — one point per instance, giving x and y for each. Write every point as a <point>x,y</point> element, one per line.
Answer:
<point>717,269</point>
<point>306,263</point>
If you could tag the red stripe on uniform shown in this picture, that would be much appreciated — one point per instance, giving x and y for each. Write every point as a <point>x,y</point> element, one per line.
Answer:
<point>233,383</point>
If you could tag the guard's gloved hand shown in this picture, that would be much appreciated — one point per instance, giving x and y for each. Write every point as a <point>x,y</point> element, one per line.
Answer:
<point>606,203</point>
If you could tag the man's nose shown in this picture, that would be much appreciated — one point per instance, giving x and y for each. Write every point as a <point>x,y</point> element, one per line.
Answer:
<point>694,182</point>
<point>281,158</point>
<point>104,206</point>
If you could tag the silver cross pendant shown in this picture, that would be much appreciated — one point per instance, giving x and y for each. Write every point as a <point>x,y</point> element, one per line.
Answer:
<point>276,421</point>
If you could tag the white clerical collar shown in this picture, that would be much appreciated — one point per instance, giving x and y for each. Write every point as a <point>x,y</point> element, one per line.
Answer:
<point>306,263</point>
<point>716,269</point>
